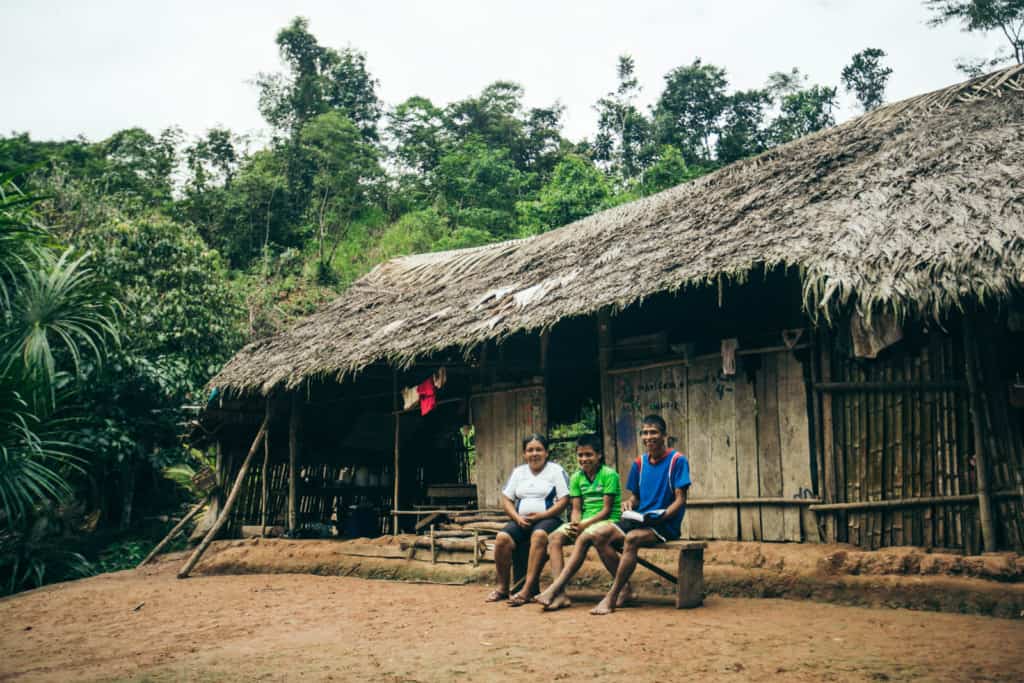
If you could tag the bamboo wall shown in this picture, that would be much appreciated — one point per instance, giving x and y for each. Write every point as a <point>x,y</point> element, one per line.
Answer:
<point>900,428</point>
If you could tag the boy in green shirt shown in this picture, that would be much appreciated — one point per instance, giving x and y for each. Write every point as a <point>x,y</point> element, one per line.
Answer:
<point>596,501</point>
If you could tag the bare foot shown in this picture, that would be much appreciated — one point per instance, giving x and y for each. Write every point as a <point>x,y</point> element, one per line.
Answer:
<point>626,596</point>
<point>603,607</point>
<point>545,597</point>
<point>558,602</point>
<point>496,596</point>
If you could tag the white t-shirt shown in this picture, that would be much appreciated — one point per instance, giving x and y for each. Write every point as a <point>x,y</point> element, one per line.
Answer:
<point>536,492</point>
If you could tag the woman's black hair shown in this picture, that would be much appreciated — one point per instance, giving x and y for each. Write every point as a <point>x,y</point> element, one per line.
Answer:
<point>539,438</point>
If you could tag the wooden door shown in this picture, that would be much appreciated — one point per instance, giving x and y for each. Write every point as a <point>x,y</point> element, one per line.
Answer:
<point>502,420</point>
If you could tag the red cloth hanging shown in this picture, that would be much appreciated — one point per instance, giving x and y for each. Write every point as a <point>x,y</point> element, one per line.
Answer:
<point>427,393</point>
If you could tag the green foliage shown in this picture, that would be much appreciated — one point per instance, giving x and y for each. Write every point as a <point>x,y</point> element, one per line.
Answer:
<point>478,187</point>
<point>577,189</point>
<point>318,80</point>
<point>743,131</point>
<point>624,134</point>
<point>803,110</point>
<point>982,16</point>
<point>688,110</point>
<point>415,232</point>
<point>865,77</point>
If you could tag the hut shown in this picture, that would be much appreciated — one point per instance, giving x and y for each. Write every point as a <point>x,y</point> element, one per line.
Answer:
<point>832,330</point>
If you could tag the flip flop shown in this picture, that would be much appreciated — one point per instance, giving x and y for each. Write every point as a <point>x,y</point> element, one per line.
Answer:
<point>496,596</point>
<point>518,600</point>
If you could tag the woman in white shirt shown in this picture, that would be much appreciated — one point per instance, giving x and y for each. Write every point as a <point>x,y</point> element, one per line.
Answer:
<point>536,494</point>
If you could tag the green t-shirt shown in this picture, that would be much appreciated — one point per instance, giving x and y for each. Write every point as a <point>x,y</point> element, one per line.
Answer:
<point>606,482</point>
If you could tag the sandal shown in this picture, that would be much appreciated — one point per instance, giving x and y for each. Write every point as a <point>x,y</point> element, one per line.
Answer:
<point>519,600</point>
<point>496,596</point>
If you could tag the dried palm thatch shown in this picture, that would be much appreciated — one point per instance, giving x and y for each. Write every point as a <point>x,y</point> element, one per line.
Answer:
<point>917,206</point>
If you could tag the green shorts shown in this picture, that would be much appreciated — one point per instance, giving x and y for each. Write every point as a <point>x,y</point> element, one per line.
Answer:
<point>567,531</point>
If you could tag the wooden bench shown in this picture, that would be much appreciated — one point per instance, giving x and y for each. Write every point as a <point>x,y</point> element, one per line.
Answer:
<point>689,579</point>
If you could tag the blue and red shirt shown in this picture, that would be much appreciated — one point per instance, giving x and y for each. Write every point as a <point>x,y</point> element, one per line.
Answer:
<point>655,486</point>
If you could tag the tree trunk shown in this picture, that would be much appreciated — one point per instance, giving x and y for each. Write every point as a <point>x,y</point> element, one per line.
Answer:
<point>127,489</point>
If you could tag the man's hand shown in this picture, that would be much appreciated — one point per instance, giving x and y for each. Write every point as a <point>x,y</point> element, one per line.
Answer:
<point>627,505</point>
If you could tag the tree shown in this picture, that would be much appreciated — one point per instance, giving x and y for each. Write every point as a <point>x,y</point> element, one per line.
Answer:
<point>138,166</point>
<point>319,79</point>
<point>624,134</point>
<point>343,166</point>
<point>688,111</point>
<point>668,170</point>
<point>866,77</point>
<point>478,187</point>
<point>577,189</point>
<point>743,131</point>
<point>802,110</point>
<point>982,16</point>
<point>53,318</point>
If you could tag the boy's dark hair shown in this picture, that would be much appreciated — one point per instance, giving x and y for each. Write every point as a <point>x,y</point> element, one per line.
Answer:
<point>589,441</point>
<point>540,438</point>
<point>656,421</point>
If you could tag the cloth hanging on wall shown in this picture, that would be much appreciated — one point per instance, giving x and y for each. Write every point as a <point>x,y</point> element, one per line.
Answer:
<point>410,397</point>
<point>870,340</point>
<point>427,393</point>
<point>440,377</point>
<point>729,347</point>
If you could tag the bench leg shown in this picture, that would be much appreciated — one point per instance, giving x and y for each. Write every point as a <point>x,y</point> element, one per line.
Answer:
<point>690,589</point>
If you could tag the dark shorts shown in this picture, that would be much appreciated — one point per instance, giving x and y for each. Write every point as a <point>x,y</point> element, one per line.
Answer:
<point>665,531</point>
<point>521,535</point>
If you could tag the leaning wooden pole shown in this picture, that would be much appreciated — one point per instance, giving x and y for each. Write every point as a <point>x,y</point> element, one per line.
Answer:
<point>971,361</point>
<point>175,531</point>
<point>293,468</point>
<point>222,518</point>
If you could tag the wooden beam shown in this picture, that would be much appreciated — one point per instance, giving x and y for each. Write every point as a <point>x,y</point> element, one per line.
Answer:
<point>909,502</point>
<point>294,423</point>
<point>836,387</point>
<point>604,359</point>
<point>222,518</point>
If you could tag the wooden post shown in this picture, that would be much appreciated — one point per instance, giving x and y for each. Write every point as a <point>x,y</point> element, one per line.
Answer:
<point>294,421</point>
<point>980,456</point>
<point>604,358</point>
<point>398,422</point>
<point>174,532</point>
<point>264,473</point>
<point>690,589</point>
<point>232,497</point>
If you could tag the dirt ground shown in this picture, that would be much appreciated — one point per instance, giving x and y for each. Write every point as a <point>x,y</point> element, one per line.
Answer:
<point>150,626</point>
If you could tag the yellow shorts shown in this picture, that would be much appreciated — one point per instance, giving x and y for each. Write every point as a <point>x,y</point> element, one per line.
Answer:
<point>566,529</point>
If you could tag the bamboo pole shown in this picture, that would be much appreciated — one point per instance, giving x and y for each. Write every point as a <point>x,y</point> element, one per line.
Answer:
<point>607,387</point>
<point>222,518</point>
<point>294,419</point>
<point>980,456</point>
<point>264,473</point>
<point>887,386</point>
<point>398,422</point>
<point>898,503</point>
<point>825,526</point>
<point>174,532</point>
<point>828,448</point>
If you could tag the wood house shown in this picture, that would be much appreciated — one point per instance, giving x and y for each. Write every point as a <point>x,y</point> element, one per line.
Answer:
<point>833,330</point>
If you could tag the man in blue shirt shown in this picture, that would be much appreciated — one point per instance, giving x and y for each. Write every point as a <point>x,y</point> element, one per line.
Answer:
<point>658,482</point>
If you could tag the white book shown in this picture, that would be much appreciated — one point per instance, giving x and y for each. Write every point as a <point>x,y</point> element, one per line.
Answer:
<point>642,517</point>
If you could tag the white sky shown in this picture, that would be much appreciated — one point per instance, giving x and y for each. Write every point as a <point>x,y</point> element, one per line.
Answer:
<point>92,67</point>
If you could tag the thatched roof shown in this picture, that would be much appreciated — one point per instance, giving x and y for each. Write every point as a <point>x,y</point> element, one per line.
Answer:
<point>918,205</point>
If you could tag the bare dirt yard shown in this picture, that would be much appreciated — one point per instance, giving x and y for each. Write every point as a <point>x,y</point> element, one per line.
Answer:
<point>148,626</point>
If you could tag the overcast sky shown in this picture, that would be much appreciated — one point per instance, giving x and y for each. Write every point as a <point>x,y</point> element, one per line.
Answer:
<point>90,68</point>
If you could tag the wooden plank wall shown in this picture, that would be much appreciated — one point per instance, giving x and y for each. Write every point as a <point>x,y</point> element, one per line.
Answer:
<point>744,437</point>
<point>502,420</point>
